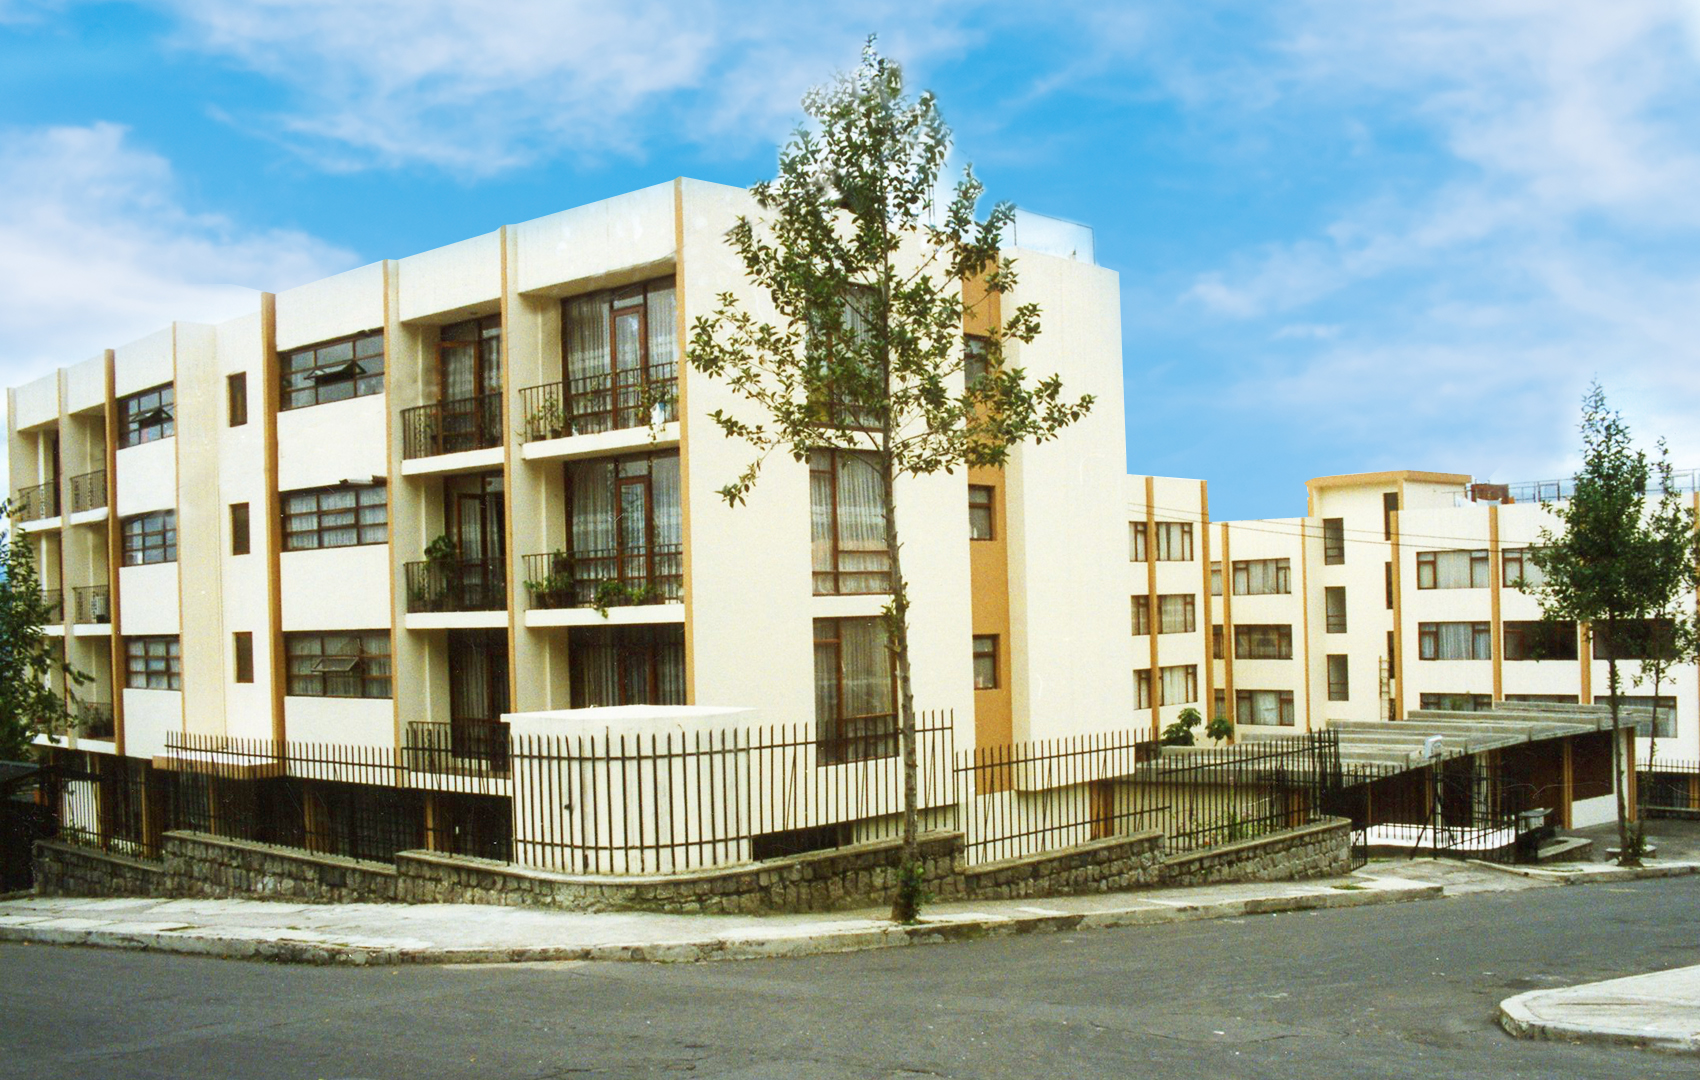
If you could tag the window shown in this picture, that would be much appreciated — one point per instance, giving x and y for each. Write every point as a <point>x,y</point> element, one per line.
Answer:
<point>1258,577</point>
<point>1174,541</point>
<point>1334,609</point>
<point>847,522</point>
<point>353,663</point>
<point>985,661</point>
<point>626,665</point>
<point>974,359</point>
<point>333,371</point>
<point>1178,685</point>
<point>1269,708</point>
<point>236,398</point>
<point>1553,699</point>
<point>1520,571</point>
<point>239,528</point>
<point>1215,579</point>
<point>1389,507</point>
<point>150,538</point>
<point>149,415</point>
<point>1456,702</point>
<point>1540,640</point>
<point>244,643</point>
<point>1263,642</point>
<point>1454,641</point>
<point>980,512</point>
<point>854,715</point>
<point>153,663</point>
<point>1136,545</point>
<point>1387,582</point>
<point>1177,614</point>
<point>1636,639</point>
<point>1333,541</point>
<point>1218,704</point>
<point>1339,687</point>
<point>619,356</point>
<point>1664,715</point>
<point>1217,648</point>
<point>1453,570</point>
<point>1142,688</point>
<point>1141,615</point>
<point>341,516</point>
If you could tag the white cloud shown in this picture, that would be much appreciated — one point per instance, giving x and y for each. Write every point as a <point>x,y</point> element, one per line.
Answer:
<point>475,88</point>
<point>100,249</point>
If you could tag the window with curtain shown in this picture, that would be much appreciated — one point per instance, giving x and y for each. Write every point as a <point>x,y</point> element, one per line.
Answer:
<point>985,661</point>
<point>1264,708</point>
<point>1664,712</point>
<point>333,371</point>
<point>620,357</point>
<point>980,520</point>
<point>1634,639</point>
<point>1256,577</point>
<point>153,663</point>
<point>1178,685</point>
<point>626,665</point>
<point>150,538</point>
<point>1136,541</point>
<point>1453,570</point>
<point>847,523</point>
<point>147,416</point>
<point>1334,609</point>
<point>340,516</point>
<point>1215,579</point>
<point>1454,641</point>
<point>1177,613</point>
<point>1339,684</point>
<point>1268,642</point>
<point>1456,702</point>
<point>1333,541</point>
<point>1174,541</point>
<point>1141,615</point>
<point>1538,639</point>
<point>1142,688</point>
<point>855,712</point>
<point>1520,571</point>
<point>624,524</point>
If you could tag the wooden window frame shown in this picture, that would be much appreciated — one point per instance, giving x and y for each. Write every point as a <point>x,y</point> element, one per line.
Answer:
<point>1331,623</point>
<point>1437,700</point>
<point>837,574</point>
<point>1245,633</point>
<point>1142,615</point>
<point>236,399</point>
<point>1339,689</point>
<point>836,747</point>
<point>1142,688</point>
<point>242,642</point>
<point>1428,640</point>
<point>1189,613</point>
<point>1428,568</point>
<point>1333,541</point>
<point>1520,645</point>
<point>1138,542</point>
<point>379,494</point>
<point>147,415</point>
<point>324,666</point>
<point>305,370</point>
<point>1286,715</point>
<point>155,531</point>
<point>151,658</point>
<point>982,498</point>
<point>1189,684</point>
<point>986,647</point>
<point>1166,532</point>
<point>241,532</point>
<point>1283,577</point>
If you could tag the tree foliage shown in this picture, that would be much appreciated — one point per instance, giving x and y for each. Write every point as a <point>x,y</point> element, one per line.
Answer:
<point>28,704</point>
<point>860,344</point>
<point>1626,552</point>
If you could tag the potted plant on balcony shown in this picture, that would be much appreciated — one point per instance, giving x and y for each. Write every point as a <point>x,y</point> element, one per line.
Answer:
<point>547,421</point>
<point>621,594</point>
<point>556,587</point>
<point>442,574</point>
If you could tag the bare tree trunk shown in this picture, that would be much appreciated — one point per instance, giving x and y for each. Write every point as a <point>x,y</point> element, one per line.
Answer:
<point>906,902</point>
<point>1619,782</point>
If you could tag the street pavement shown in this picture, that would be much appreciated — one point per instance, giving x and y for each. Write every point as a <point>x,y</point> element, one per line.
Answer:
<point>1658,1011</point>
<point>1394,990</point>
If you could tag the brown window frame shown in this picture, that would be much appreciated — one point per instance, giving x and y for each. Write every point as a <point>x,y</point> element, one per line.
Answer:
<point>1334,622</point>
<point>148,657</point>
<point>325,666</point>
<point>1333,541</point>
<point>1138,542</point>
<point>147,415</point>
<point>1286,714</point>
<point>1445,701</point>
<point>1428,568</point>
<point>304,371</point>
<point>1522,644</point>
<point>1189,613</point>
<point>833,577</point>
<point>841,738</point>
<point>1166,534</point>
<point>1339,681</point>
<point>236,399</point>
<point>982,501</point>
<point>1189,684</point>
<point>1142,689</point>
<point>241,538</point>
<point>242,642</point>
<point>1142,615</point>
<point>1241,571</point>
<point>1245,634</point>
<point>986,648</point>
<point>156,532</point>
<point>1520,557</point>
<point>1428,640</point>
<point>294,517</point>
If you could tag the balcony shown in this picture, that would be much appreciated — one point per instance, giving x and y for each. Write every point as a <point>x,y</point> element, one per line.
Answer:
<point>457,748</point>
<point>93,719</point>
<point>88,491</point>
<point>54,602</point>
<point>452,427</point>
<point>91,605</point>
<point>605,579</point>
<point>593,404</point>
<point>443,585</point>
<point>35,503</point>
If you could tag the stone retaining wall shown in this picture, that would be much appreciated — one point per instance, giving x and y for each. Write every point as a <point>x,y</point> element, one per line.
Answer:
<point>864,875</point>
<point>1323,849</point>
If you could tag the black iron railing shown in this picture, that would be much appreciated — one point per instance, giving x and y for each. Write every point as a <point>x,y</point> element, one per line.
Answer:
<point>607,402</point>
<point>457,585</point>
<point>35,503</point>
<point>91,604</point>
<point>93,718</point>
<point>606,578</point>
<point>88,491</point>
<point>1669,787</point>
<point>460,748</point>
<point>451,427</point>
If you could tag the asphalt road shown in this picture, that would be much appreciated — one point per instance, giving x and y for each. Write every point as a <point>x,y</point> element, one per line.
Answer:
<point>1404,990</point>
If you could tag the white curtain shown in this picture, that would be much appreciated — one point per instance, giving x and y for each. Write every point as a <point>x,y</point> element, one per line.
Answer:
<point>1176,690</point>
<point>663,326</point>
<point>861,524</point>
<point>1452,569</point>
<point>1457,640</point>
<point>592,521</point>
<point>1173,611</point>
<point>1260,707</point>
<point>587,337</point>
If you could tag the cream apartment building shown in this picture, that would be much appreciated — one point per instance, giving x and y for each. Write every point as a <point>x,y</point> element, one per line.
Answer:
<point>390,507</point>
<point>1395,593</point>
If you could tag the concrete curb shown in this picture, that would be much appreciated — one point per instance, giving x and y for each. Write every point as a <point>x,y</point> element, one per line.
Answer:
<point>1588,877</point>
<point>728,947</point>
<point>1519,1021</point>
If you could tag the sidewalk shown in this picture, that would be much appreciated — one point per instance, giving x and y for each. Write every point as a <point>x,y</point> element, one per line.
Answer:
<point>457,933</point>
<point>1659,1011</point>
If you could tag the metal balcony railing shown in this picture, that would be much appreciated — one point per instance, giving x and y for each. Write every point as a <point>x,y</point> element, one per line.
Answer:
<point>607,402</point>
<point>88,491</point>
<point>606,578</point>
<point>35,503</point>
<point>91,604</point>
<point>457,585</point>
<point>94,719</point>
<point>462,747</point>
<point>451,427</point>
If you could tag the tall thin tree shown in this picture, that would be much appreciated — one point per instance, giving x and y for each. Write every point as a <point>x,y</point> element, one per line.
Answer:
<point>1620,560</point>
<point>865,348</point>
<point>29,705</point>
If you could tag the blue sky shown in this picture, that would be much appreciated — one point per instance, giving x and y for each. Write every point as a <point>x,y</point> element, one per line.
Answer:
<point>1350,235</point>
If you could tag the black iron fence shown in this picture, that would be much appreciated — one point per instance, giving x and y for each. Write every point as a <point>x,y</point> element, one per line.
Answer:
<point>1668,787</point>
<point>1455,808</point>
<point>88,491</point>
<point>451,427</point>
<point>606,402</point>
<point>91,604</point>
<point>462,747</point>
<point>457,585</point>
<point>606,578</point>
<point>35,503</point>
